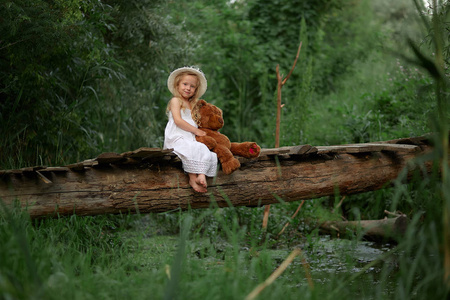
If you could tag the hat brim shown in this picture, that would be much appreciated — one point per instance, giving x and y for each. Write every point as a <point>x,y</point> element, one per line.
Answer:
<point>198,72</point>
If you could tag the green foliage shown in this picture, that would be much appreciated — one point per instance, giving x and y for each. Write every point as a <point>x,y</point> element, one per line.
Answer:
<point>131,110</point>
<point>403,107</point>
<point>230,58</point>
<point>42,257</point>
<point>52,56</point>
<point>82,77</point>
<point>219,253</point>
<point>65,93</point>
<point>113,96</point>
<point>330,27</point>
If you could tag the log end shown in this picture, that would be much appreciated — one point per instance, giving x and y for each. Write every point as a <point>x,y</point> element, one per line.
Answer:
<point>401,224</point>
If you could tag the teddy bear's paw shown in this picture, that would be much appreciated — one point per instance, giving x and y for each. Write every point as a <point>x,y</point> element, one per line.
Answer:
<point>249,150</point>
<point>254,150</point>
<point>230,166</point>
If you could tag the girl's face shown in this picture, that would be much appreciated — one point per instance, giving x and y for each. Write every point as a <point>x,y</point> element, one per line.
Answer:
<point>187,86</point>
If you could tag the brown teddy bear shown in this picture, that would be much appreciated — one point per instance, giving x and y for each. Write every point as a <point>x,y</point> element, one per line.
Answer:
<point>211,121</point>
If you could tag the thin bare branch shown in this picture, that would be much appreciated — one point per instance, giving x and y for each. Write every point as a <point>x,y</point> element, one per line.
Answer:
<point>256,291</point>
<point>280,84</point>
<point>266,217</point>
<point>293,66</point>
<point>293,216</point>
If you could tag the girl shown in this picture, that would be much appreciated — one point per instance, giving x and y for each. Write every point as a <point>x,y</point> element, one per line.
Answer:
<point>187,85</point>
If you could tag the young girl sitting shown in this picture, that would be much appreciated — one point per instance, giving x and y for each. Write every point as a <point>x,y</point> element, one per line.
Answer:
<point>187,85</point>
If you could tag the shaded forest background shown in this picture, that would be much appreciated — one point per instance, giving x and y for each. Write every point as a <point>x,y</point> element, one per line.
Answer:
<point>78,78</point>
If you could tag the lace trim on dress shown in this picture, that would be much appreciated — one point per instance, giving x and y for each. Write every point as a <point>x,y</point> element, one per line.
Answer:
<point>200,167</point>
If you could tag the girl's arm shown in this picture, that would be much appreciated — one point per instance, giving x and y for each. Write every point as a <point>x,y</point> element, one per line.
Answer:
<point>175,108</point>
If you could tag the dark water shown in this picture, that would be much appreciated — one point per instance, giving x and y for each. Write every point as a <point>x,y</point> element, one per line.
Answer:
<point>364,267</point>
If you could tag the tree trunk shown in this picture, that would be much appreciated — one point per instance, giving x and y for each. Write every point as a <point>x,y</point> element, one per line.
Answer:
<point>151,180</point>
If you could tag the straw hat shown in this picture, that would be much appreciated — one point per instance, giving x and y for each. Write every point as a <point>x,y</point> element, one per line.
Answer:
<point>197,71</point>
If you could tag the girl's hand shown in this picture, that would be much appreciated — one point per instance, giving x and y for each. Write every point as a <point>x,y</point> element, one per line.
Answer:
<point>199,132</point>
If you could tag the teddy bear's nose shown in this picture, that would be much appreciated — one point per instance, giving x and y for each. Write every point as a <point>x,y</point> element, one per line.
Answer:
<point>221,121</point>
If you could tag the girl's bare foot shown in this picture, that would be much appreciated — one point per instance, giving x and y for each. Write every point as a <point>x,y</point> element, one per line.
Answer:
<point>195,185</point>
<point>201,180</point>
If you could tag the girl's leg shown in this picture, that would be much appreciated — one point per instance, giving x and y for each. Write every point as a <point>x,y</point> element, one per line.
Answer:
<point>193,181</point>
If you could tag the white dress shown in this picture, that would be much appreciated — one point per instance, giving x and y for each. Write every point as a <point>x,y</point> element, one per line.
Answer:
<point>195,156</point>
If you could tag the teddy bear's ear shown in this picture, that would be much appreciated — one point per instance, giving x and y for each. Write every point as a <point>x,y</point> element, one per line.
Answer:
<point>201,103</point>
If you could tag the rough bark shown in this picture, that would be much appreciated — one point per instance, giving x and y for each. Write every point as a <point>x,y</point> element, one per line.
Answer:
<point>151,180</point>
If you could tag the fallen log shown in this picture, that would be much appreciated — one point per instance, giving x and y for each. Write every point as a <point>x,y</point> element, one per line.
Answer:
<point>152,180</point>
<point>387,228</point>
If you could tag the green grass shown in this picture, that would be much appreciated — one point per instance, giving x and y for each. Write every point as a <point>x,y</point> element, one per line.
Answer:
<point>214,253</point>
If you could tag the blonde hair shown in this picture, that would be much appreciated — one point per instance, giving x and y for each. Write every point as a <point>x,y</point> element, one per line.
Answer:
<point>193,100</point>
